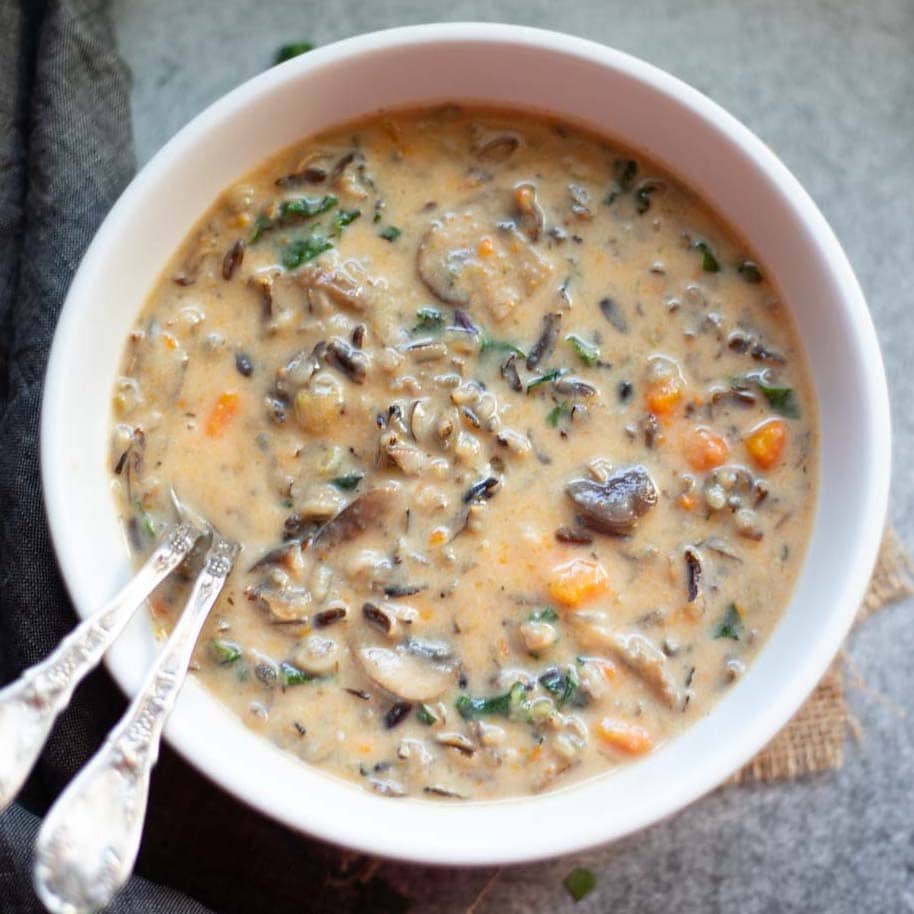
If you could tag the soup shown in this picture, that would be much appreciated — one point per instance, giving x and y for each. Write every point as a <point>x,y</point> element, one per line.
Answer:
<point>518,438</point>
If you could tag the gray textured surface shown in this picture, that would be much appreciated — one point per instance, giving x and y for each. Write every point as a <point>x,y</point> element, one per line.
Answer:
<point>829,86</point>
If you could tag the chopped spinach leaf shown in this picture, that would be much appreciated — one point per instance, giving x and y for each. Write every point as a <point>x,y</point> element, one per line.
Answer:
<point>428,320</point>
<point>552,375</point>
<point>750,271</point>
<point>225,652</point>
<point>709,262</point>
<point>580,882</point>
<point>347,483</point>
<point>426,715</point>
<point>731,625</point>
<point>304,249</point>
<point>293,49</point>
<point>557,413</point>
<point>563,685</point>
<point>261,224</point>
<point>343,218</point>
<point>470,708</point>
<point>291,675</point>
<point>305,207</point>
<point>781,399</point>
<point>546,614</point>
<point>492,345</point>
<point>588,352</point>
<point>390,233</point>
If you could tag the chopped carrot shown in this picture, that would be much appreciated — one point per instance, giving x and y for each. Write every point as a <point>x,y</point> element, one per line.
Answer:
<point>223,411</point>
<point>628,738</point>
<point>766,443</point>
<point>704,449</point>
<point>664,395</point>
<point>438,536</point>
<point>364,748</point>
<point>535,752</point>
<point>577,582</point>
<point>606,667</point>
<point>686,502</point>
<point>169,341</point>
<point>503,648</point>
<point>486,248</point>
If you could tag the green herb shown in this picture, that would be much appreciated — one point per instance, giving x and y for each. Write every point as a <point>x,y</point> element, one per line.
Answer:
<point>470,708</point>
<point>750,271</point>
<point>709,262</point>
<point>305,207</point>
<point>546,614</point>
<point>492,345</point>
<point>225,652</point>
<point>557,413</point>
<point>781,399</point>
<point>144,518</point>
<point>551,375</point>
<point>261,224</point>
<point>580,882</point>
<point>731,625</point>
<point>343,218</point>
<point>304,249</point>
<point>347,483</point>
<point>376,218</point>
<point>288,51</point>
<point>390,233</point>
<point>291,675</point>
<point>426,715</point>
<point>428,320</point>
<point>563,686</point>
<point>588,352</point>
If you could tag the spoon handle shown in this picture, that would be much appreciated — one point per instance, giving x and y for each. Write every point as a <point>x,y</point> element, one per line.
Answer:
<point>30,705</point>
<point>89,840</point>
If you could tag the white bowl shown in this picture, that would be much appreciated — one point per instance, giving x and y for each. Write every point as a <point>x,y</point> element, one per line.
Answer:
<point>619,96</point>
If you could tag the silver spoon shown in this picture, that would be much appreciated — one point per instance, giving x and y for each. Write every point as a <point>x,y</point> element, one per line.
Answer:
<point>89,840</point>
<point>30,705</point>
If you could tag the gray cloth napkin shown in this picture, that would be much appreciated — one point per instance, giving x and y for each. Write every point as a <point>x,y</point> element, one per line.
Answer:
<point>66,153</point>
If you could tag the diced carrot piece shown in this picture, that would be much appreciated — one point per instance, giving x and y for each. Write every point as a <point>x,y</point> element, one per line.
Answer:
<point>686,502</point>
<point>169,341</point>
<point>437,537</point>
<point>535,752</point>
<point>629,738</point>
<point>704,449</point>
<point>223,411</point>
<point>577,582</point>
<point>486,248</point>
<point>766,443</point>
<point>664,396</point>
<point>523,197</point>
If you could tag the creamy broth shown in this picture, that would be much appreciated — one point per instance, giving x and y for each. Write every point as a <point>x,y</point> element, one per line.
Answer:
<point>517,436</point>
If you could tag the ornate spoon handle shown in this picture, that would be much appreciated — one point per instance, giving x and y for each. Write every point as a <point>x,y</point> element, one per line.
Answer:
<point>30,705</point>
<point>89,840</point>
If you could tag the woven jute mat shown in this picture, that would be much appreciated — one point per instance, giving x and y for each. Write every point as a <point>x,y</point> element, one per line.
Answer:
<point>814,739</point>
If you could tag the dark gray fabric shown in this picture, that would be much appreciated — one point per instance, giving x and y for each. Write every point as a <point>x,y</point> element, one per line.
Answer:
<point>66,152</point>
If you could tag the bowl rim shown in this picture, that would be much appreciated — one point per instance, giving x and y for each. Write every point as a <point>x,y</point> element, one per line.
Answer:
<point>529,847</point>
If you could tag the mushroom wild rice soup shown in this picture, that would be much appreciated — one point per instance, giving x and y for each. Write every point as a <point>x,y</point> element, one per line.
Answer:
<point>518,438</point>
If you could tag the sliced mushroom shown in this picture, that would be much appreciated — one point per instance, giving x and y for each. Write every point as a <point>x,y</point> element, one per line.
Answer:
<point>283,601</point>
<point>318,655</point>
<point>642,657</point>
<point>347,284</point>
<point>367,512</point>
<point>449,263</point>
<point>298,371</point>
<point>404,674</point>
<point>616,505</point>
